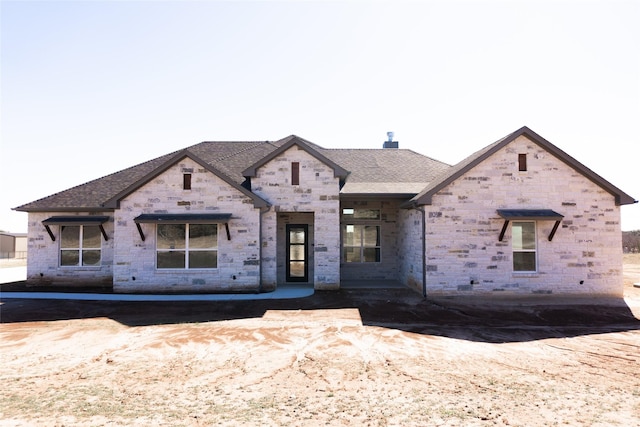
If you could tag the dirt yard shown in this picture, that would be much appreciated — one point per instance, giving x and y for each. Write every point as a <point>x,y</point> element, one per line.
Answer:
<point>340,358</point>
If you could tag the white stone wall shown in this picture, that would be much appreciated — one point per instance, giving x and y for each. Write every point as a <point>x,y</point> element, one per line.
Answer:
<point>43,255</point>
<point>269,250</point>
<point>318,192</point>
<point>238,259</point>
<point>464,255</point>
<point>410,260</point>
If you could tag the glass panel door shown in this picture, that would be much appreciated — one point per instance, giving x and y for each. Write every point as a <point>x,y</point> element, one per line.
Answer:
<point>297,253</point>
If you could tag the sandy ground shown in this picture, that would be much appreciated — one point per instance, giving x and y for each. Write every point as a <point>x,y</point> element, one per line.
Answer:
<point>386,358</point>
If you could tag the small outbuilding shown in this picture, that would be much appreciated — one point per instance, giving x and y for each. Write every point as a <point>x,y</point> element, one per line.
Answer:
<point>13,245</point>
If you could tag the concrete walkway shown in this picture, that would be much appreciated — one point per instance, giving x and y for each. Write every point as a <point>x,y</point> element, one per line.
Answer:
<point>283,292</point>
<point>18,274</point>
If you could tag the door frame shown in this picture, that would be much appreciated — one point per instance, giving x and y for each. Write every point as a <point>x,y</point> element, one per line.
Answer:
<point>288,277</point>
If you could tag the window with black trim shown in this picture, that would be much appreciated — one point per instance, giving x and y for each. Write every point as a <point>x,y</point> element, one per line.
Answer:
<point>186,181</point>
<point>360,235</point>
<point>80,245</point>
<point>523,244</point>
<point>186,246</point>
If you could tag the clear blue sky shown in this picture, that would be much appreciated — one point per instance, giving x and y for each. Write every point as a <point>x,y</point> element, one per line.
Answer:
<point>92,87</point>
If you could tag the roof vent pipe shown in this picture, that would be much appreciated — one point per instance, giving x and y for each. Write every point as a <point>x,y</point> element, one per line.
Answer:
<point>390,143</point>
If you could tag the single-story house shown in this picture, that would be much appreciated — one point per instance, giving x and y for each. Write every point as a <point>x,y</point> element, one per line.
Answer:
<point>519,216</point>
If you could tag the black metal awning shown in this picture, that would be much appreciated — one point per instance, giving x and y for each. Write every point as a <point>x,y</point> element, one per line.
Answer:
<point>529,215</point>
<point>218,218</point>
<point>76,220</point>
<point>161,218</point>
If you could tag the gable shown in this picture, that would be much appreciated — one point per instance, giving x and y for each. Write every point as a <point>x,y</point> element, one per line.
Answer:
<point>290,142</point>
<point>114,202</point>
<point>466,165</point>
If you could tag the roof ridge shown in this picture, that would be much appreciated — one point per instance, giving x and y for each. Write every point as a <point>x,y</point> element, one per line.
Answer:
<point>244,150</point>
<point>384,150</point>
<point>376,149</point>
<point>428,157</point>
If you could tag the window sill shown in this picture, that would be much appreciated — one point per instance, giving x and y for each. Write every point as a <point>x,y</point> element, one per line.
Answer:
<point>360,263</point>
<point>526,274</point>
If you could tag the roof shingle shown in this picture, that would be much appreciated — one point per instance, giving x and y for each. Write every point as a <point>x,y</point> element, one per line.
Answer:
<point>373,170</point>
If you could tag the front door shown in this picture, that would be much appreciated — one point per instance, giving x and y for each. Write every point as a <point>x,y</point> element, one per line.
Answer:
<point>297,253</point>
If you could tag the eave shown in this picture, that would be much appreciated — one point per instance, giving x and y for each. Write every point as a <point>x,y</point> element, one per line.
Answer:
<point>338,171</point>
<point>65,209</point>
<point>114,202</point>
<point>425,197</point>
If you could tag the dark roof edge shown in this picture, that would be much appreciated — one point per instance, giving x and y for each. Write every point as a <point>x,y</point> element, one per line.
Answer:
<point>66,209</point>
<point>621,198</point>
<point>114,202</point>
<point>377,195</point>
<point>24,207</point>
<point>338,171</point>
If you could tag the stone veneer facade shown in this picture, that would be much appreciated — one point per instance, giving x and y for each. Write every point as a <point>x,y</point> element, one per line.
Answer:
<point>410,261</point>
<point>43,255</point>
<point>317,195</point>
<point>387,268</point>
<point>238,258</point>
<point>464,255</point>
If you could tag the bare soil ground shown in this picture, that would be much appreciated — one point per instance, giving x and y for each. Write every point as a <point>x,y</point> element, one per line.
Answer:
<point>362,357</point>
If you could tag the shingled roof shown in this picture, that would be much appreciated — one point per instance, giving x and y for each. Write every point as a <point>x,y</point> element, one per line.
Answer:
<point>365,171</point>
<point>92,195</point>
<point>386,171</point>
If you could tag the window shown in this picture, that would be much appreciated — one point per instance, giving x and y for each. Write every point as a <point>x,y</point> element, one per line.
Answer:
<point>186,181</point>
<point>361,243</point>
<point>360,235</point>
<point>522,162</point>
<point>524,246</point>
<point>360,214</point>
<point>187,246</point>
<point>80,245</point>
<point>295,173</point>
